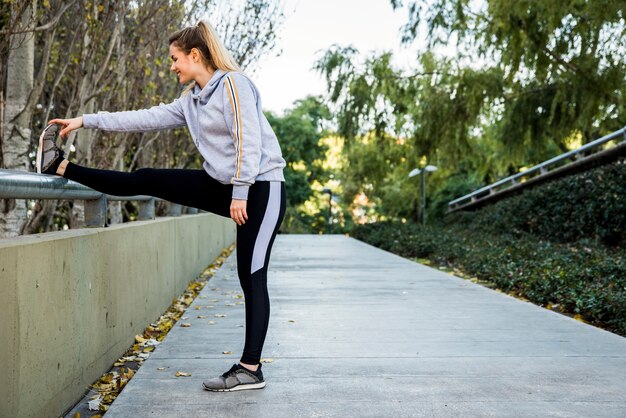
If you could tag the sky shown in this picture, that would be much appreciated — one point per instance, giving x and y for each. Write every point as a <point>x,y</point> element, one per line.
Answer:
<point>312,26</point>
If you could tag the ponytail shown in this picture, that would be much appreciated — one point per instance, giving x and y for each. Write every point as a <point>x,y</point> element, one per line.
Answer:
<point>222,59</point>
<point>203,37</point>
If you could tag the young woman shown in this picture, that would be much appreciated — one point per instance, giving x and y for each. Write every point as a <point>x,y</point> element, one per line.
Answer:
<point>242,176</point>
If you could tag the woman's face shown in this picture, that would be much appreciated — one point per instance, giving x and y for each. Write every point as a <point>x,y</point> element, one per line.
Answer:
<point>182,65</point>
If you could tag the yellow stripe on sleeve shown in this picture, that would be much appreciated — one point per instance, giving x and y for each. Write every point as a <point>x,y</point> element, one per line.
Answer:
<point>237,128</point>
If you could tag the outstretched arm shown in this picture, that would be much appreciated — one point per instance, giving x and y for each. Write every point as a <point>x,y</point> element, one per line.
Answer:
<point>163,116</point>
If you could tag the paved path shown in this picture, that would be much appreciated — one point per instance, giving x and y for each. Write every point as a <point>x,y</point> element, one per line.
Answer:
<point>375,335</point>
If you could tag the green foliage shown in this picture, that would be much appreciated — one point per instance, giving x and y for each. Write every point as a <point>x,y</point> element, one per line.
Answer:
<point>388,132</point>
<point>526,80</point>
<point>583,278</point>
<point>588,205</point>
<point>563,62</point>
<point>299,132</point>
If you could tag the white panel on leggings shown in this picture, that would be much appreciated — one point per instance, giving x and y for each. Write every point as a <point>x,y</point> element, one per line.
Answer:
<point>267,227</point>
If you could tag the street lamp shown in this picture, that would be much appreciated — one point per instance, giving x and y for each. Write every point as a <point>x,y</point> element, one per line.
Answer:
<point>414,173</point>
<point>330,202</point>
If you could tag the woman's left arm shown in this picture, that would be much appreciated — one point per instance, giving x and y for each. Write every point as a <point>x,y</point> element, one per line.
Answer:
<point>241,113</point>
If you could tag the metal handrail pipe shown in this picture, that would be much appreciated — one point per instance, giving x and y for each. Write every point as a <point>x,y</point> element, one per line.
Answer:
<point>544,164</point>
<point>26,185</point>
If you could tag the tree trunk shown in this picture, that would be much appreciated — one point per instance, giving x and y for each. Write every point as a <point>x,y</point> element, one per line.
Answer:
<point>17,135</point>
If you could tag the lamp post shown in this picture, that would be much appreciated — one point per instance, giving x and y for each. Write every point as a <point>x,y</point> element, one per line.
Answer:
<point>414,173</point>
<point>330,203</point>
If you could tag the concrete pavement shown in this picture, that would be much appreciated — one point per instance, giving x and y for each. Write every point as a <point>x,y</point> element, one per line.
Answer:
<point>358,332</point>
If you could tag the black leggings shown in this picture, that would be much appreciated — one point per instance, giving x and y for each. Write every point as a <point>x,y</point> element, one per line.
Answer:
<point>195,188</point>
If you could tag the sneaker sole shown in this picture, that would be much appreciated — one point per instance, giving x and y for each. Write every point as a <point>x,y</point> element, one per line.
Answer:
<point>259,385</point>
<point>40,149</point>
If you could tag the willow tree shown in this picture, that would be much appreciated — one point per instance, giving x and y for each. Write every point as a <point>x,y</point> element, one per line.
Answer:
<point>563,63</point>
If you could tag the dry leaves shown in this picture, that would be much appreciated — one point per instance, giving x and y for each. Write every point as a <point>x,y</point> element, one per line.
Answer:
<point>183,374</point>
<point>111,383</point>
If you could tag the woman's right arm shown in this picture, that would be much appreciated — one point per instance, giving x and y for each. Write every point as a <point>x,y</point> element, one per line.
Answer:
<point>163,116</point>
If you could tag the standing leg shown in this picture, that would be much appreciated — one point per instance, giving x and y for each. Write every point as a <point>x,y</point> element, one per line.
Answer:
<point>266,209</point>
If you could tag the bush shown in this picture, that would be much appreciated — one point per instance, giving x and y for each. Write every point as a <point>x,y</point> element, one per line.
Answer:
<point>588,205</point>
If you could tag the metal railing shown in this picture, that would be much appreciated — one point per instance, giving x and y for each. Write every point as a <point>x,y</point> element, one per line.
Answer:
<point>541,168</point>
<point>24,185</point>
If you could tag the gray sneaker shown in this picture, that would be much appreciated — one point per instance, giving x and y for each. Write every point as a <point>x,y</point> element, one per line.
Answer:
<point>237,378</point>
<point>49,156</point>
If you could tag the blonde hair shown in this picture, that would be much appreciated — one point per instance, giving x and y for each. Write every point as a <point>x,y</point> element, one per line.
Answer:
<point>204,39</point>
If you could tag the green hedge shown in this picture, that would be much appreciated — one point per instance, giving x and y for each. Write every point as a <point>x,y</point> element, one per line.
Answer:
<point>589,205</point>
<point>584,278</point>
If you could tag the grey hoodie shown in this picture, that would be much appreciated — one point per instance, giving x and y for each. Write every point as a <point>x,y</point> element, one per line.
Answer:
<point>226,124</point>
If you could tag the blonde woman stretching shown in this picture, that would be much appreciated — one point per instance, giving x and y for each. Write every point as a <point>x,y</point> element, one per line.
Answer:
<point>242,176</point>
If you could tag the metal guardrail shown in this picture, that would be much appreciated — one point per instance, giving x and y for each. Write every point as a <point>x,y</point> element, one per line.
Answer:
<point>542,168</point>
<point>24,185</point>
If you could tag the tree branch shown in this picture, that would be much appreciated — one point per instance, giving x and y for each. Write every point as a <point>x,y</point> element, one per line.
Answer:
<point>51,24</point>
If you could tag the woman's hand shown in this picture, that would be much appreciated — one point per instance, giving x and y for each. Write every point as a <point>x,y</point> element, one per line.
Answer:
<point>238,211</point>
<point>69,125</point>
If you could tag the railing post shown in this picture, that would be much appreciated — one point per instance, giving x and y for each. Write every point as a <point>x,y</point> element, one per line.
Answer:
<point>174,210</point>
<point>146,210</point>
<point>96,212</point>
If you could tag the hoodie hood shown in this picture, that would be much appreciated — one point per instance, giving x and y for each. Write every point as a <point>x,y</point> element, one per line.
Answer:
<point>205,93</point>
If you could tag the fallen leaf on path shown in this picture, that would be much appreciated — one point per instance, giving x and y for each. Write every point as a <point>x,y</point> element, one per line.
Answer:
<point>227,352</point>
<point>94,405</point>
<point>183,374</point>
<point>185,325</point>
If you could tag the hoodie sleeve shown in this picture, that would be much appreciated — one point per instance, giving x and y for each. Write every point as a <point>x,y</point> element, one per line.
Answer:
<point>240,112</point>
<point>163,116</point>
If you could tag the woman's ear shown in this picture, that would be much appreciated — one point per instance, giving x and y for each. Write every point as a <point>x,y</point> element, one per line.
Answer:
<point>195,55</point>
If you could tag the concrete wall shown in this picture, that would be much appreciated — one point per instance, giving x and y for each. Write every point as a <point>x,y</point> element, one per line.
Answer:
<point>71,302</point>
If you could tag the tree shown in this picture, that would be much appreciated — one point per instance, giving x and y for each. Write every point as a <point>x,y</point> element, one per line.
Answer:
<point>17,61</point>
<point>108,55</point>
<point>299,132</point>
<point>525,80</point>
<point>563,63</point>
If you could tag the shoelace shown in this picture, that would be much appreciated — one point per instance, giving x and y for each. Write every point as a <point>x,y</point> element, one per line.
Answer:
<point>231,371</point>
